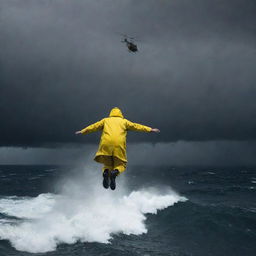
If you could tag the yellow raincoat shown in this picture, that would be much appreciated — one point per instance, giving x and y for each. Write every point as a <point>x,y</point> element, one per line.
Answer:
<point>112,148</point>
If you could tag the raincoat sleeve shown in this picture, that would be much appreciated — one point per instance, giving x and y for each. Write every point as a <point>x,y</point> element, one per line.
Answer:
<point>93,127</point>
<point>137,127</point>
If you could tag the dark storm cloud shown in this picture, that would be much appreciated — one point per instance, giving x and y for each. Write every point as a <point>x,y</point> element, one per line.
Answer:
<point>207,153</point>
<point>63,67</point>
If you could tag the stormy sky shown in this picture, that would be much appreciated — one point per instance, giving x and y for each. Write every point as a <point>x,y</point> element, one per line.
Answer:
<point>62,67</point>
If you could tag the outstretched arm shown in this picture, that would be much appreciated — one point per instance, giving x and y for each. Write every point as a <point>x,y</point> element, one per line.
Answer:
<point>92,128</point>
<point>139,127</point>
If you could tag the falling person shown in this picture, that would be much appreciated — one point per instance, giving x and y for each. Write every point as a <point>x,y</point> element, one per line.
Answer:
<point>112,148</point>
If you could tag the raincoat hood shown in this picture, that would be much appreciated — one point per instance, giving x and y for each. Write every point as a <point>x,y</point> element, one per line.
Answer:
<point>116,112</point>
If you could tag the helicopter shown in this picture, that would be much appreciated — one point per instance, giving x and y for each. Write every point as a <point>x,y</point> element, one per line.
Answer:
<point>132,47</point>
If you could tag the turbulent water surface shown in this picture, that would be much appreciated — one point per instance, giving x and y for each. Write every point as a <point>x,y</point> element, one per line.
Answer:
<point>53,210</point>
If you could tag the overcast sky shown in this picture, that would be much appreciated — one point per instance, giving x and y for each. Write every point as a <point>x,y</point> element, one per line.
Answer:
<point>62,67</point>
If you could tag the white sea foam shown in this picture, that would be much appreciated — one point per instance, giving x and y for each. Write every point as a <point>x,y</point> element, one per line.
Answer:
<point>82,212</point>
<point>26,207</point>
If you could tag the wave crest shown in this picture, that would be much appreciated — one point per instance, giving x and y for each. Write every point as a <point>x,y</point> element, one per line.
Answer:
<point>49,219</point>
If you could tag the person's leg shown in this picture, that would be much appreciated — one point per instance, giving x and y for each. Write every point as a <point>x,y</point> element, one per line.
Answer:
<point>107,162</point>
<point>118,167</point>
<point>107,168</point>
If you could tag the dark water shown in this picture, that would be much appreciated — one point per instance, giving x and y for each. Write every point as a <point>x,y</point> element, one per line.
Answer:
<point>219,217</point>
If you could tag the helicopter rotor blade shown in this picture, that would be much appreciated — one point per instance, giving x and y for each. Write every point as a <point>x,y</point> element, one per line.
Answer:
<point>126,36</point>
<point>122,34</point>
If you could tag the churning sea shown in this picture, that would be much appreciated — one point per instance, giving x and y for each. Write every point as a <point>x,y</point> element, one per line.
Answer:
<point>179,211</point>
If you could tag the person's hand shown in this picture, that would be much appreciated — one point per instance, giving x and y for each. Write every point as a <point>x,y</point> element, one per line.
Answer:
<point>155,130</point>
<point>78,132</point>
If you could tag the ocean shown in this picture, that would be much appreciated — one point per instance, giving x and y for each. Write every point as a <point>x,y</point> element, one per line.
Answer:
<point>179,211</point>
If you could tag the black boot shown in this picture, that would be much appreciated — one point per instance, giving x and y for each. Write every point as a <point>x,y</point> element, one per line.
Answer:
<point>106,178</point>
<point>113,175</point>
